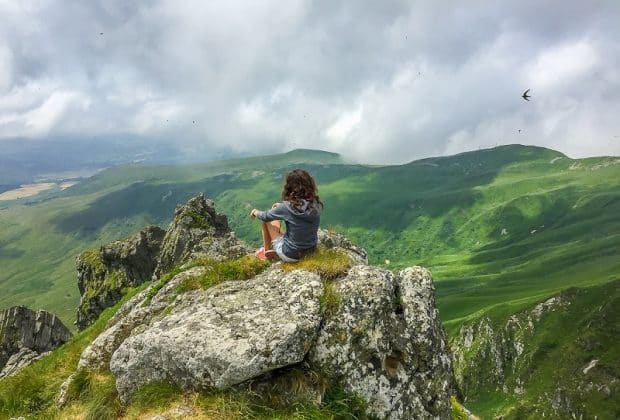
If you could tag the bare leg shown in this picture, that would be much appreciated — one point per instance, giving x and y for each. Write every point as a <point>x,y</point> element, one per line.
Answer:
<point>270,230</point>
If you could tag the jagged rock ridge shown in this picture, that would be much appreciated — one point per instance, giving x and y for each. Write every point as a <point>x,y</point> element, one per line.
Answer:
<point>196,230</point>
<point>27,336</point>
<point>382,338</point>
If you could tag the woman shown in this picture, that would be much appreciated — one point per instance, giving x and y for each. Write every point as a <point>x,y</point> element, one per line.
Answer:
<point>301,211</point>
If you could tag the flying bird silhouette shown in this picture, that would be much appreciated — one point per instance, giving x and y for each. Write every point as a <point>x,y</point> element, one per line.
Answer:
<point>526,96</point>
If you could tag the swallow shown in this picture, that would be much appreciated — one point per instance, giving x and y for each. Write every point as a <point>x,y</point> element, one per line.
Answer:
<point>526,96</point>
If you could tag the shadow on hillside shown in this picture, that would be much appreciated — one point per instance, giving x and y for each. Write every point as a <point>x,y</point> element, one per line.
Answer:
<point>558,223</point>
<point>392,198</point>
<point>156,201</point>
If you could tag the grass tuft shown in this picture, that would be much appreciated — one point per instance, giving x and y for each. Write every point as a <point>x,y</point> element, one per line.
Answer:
<point>155,395</point>
<point>330,299</point>
<point>330,264</point>
<point>242,268</point>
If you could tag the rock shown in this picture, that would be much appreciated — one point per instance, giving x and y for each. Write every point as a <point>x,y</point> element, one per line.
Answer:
<point>197,230</point>
<point>20,360</point>
<point>484,355</point>
<point>26,336</point>
<point>103,274</point>
<point>386,343</point>
<point>336,240</point>
<point>225,335</point>
<point>138,311</point>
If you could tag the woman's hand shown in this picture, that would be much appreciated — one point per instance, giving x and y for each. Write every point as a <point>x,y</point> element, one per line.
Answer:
<point>253,213</point>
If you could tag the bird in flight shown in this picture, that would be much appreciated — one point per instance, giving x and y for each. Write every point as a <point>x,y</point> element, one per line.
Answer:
<point>526,96</point>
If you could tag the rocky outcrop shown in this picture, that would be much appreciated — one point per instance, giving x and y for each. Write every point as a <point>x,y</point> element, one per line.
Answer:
<point>385,343</point>
<point>372,332</point>
<point>485,355</point>
<point>103,274</point>
<point>334,240</point>
<point>225,335</point>
<point>26,336</point>
<point>196,231</point>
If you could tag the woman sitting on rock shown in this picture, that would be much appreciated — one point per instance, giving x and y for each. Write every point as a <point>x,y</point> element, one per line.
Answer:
<point>301,211</point>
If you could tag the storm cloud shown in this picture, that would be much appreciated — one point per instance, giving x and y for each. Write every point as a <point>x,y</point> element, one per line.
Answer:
<point>377,81</point>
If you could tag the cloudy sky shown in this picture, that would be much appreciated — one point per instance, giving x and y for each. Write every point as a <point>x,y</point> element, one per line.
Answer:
<point>377,81</point>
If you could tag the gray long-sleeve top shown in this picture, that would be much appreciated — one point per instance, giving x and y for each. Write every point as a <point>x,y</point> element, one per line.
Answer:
<point>302,225</point>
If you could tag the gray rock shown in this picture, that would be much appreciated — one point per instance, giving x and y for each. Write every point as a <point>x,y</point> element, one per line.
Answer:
<point>20,360</point>
<point>138,311</point>
<point>338,241</point>
<point>103,274</point>
<point>386,343</point>
<point>225,335</point>
<point>26,335</point>
<point>197,230</point>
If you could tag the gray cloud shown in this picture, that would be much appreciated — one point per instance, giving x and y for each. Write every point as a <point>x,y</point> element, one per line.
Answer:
<point>386,81</point>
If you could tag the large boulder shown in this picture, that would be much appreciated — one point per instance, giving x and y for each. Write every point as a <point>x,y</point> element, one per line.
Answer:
<point>103,273</point>
<point>27,335</point>
<point>225,335</point>
<point>385,342</point>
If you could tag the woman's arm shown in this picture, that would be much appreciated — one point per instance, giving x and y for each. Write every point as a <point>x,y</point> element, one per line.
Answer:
<point>278,212</point>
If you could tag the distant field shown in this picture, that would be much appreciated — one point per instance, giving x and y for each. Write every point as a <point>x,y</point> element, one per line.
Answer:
<point>499,228</point>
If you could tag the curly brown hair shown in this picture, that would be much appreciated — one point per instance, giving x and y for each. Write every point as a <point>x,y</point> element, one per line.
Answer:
<point>298,186</point>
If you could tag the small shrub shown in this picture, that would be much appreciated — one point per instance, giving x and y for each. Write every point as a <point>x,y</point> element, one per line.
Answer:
<point>327,263</point>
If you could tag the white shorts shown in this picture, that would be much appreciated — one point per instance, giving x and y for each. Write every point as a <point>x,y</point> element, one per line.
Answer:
<point>277,246</point>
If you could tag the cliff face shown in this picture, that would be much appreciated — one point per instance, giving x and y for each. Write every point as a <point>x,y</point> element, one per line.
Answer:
<point>222,319</point>
<point>557,359</point>
<point>102,274</point>
<point>26,336</point>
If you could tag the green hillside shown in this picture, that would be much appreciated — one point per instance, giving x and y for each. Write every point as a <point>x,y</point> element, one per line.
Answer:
<point>501,229</point>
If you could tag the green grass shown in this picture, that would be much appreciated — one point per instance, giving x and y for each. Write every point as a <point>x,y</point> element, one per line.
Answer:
<point>217,272</point>
<point>33,390</point>
<point>329,264</point>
